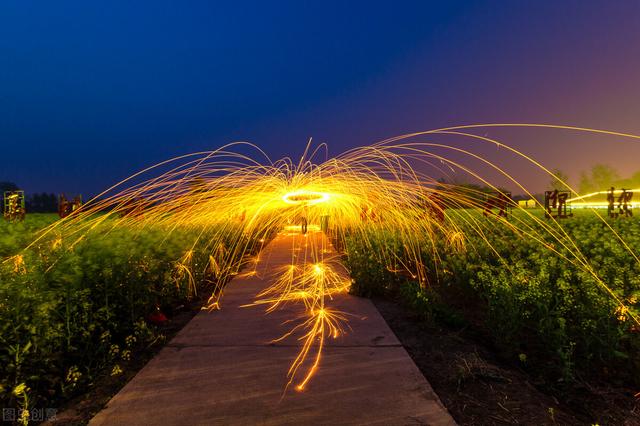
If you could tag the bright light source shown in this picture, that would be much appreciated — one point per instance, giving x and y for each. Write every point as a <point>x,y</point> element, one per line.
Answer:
<point>305,197</point>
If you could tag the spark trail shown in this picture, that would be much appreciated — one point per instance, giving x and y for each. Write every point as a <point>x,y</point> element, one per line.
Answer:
<point>237,193</point>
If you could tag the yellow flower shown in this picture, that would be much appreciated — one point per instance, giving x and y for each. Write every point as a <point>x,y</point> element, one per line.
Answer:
<point>116,370</point>
<point>621,313</point>
<point>18,264</point>
<point>73,375</point>
<point>56,243</point>
<point>21,389</point>
<point>130,340</point>
<point>114,350</point>
<point>24,417</point>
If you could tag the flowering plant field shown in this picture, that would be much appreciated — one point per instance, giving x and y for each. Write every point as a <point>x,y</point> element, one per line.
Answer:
<point>524,291</point>
<point>76,308</point>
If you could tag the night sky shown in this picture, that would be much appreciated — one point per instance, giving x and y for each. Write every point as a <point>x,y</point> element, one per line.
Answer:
<point>91,92</point>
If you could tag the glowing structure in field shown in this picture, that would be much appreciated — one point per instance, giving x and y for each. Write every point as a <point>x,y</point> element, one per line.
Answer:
<point>14,205</point>
<point>241,200</point>
<point>597,200</point>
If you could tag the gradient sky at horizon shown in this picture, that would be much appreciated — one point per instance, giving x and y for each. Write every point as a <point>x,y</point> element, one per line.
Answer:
<point>91,92</point>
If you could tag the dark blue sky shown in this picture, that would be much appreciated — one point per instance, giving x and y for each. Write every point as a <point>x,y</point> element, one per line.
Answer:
<point>90,92</point>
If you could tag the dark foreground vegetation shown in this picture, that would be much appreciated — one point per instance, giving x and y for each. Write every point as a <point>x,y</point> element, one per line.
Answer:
<point>74,310</point>
<point>510,324</point>
<point>524,295</point>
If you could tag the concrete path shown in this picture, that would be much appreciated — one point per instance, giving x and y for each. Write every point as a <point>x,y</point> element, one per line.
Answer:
<point>222,369</point>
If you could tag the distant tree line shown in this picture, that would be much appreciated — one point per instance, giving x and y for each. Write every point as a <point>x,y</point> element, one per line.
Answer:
<point>42,203</point>
<point>600,178</point>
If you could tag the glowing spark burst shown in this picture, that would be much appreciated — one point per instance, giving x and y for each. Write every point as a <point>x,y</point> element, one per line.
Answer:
<point>305,197</point>
<point>237,202</point>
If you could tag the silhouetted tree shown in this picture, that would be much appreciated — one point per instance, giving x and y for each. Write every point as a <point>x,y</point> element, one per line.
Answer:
<point>42,203</point>
<point>601,178</point>
<point>559,181</point>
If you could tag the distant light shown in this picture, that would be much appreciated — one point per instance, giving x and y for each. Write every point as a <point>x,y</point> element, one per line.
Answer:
<point>602,205</point>
<point>582,197</point>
